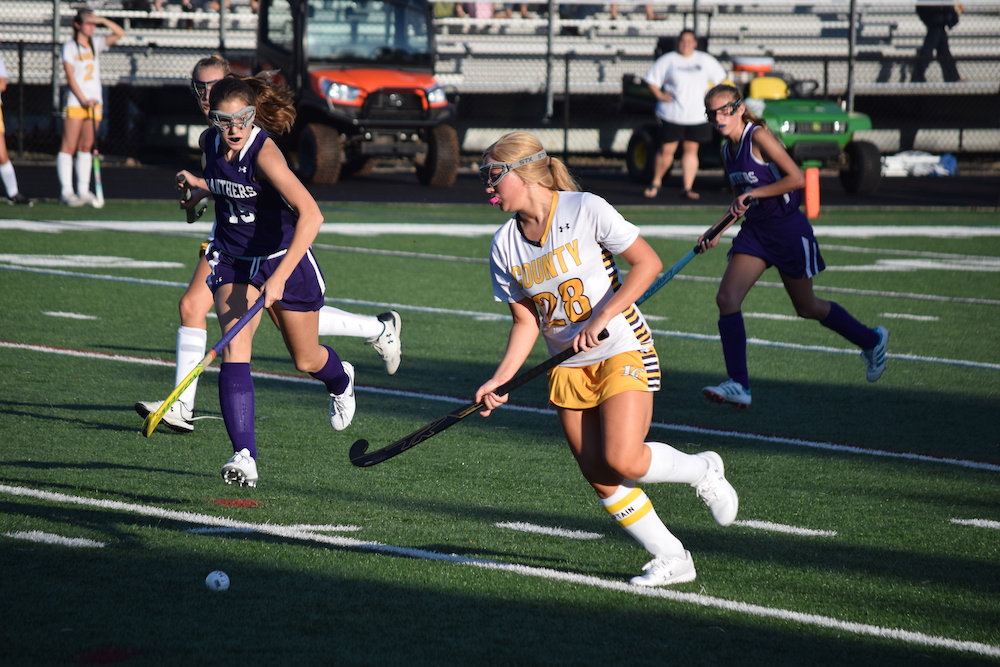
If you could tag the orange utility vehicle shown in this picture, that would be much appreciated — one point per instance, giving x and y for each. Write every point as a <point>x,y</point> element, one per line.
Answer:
<point>363,76</point>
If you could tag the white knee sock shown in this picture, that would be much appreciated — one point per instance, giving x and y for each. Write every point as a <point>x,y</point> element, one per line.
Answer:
<point>9,178</point>
<point>84,165</point>
<point>336,322</point>
<point>191,345</point>
<point>634,512</point>
<point>667,464</point>
<point>64,167</point>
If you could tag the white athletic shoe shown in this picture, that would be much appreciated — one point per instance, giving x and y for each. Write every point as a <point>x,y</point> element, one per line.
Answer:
<point>241,469</point>
<point>88,198</point>
<point>716,491</point>
<point>70,199</point>
<point>875,358</point>
<point>666,571</point>
<point>342,406</point>
<point>729,391</point>
<point>178,417</point>
<point>388,344</point>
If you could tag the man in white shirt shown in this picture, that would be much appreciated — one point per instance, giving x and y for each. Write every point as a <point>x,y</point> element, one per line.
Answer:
<point>679,80</point>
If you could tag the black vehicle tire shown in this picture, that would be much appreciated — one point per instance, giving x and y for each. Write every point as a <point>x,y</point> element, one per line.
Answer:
<point>640,157</point>
<point>439,166</point>
<point>321,154</point>
<point>861,168</point>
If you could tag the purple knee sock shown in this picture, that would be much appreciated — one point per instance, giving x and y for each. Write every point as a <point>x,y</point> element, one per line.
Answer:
<point>734,347</point>
<point>843,323</point>
<point>236,398</point>
<point>332,374</point>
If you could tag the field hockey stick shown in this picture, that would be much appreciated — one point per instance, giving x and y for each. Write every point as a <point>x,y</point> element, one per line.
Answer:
<point>98,185</point>
<point>153,418</point>
<point>194,212</point>
<point>361,457</point>
<point>715,230</point>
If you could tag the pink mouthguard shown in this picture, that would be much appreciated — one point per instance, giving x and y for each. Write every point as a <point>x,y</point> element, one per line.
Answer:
<point>494,200</point>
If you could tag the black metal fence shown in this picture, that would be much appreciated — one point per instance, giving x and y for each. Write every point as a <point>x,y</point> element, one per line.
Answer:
<point>558,69</point>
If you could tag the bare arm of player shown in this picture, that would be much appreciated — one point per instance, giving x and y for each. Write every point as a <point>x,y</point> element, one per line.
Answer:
<point>645,267</point>
<point>274,169</point>
<point>767,147</point>
<point>523,334</point>
<point>117,32</point>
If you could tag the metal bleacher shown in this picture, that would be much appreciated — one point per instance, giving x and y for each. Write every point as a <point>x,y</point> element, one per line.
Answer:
<point>809,41</point>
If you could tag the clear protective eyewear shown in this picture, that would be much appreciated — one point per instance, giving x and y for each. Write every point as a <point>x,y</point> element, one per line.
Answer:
<point>725,110</point>
<point>202,88</point>
<point>491,179</point>
<point>226,121</point>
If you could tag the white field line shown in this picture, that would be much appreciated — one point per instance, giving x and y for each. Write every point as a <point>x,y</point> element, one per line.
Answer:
<point>546,530</point>
<point>452,258</point>
<point>483,316</point>
<point>474,230</point>
<point>781,528</point>
<point>696,599</point>
<point>59,540</point>
<point>906,316</point>
<point>70,316</point>
<point>681,428</point>
<point>978,523</point>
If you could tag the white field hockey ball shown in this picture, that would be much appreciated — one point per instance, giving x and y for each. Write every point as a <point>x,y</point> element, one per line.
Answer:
<point>217,581</point>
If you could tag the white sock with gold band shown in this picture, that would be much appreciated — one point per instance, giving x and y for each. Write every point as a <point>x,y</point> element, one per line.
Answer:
<point>634,512</point>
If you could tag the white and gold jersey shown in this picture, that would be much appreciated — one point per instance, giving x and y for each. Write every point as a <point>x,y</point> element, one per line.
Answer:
<point>86,68</point>
<point>570,274</point>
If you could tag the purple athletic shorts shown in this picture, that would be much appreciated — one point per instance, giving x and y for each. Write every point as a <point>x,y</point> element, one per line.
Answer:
<point>789,245</point>
<point>304,289</point>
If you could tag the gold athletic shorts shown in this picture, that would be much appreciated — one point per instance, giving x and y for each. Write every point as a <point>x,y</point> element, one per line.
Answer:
<point>589,386</point>
<point>83,113</point>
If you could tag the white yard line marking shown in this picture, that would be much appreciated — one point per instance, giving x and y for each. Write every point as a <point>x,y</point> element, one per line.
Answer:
<point>683,428</point>
<point>907,316</point>
<point>546,530</point>
<point>71,316</point>
<point>772,316</point>
<point>978,523</point>
<point>87,262</point>
<point>58,540</point>
<point>781,528</point>
<point>473,230</point>
<point>696,599</point>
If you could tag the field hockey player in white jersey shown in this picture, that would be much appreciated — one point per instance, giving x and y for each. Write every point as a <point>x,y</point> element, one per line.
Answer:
<point>553,263</point>
<point>83,106</point>
<point>266,222</point>
<point>381,332</point>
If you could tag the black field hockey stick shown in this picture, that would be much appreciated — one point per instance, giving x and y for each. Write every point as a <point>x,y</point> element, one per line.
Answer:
<point>153,418</point>
<point>196,211</point>
<point>361,457</point>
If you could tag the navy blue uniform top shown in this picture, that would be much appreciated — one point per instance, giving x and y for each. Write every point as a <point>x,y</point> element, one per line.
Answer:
<point>745,172</point>
<point>251,218</point>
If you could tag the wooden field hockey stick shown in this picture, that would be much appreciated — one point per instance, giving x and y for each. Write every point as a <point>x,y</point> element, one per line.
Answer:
<point>98,185</point>
<point>153,418</point>
<point>361,457</point>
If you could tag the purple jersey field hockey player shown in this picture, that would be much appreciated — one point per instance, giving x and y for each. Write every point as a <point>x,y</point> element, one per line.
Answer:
<point>265,223</point>
<point>775,233</point>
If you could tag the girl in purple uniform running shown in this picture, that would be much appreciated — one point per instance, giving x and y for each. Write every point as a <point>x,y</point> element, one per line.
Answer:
<point>265,222</point>
<point>775,233</point>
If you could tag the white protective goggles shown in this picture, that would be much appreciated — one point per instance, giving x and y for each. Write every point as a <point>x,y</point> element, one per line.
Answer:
<point>491,179</point>
<point>226,121</point>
